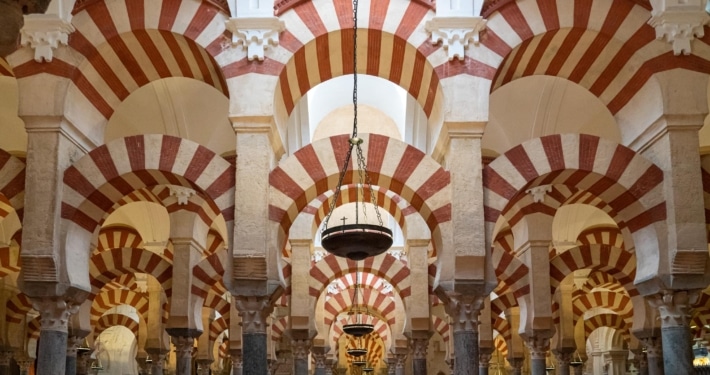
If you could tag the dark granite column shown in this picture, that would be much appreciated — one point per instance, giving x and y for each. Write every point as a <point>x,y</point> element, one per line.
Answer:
<point>82,362</point>
<point>299,351</point>
<point>538,346</point>
<point>516,365</point>
<point>183,353</point>
<point>654,355</point>
<point>253,311</point>
<point>464,311</point>
<point>674,309</point>
<point>484,360</point>
<point>419,352</point>
<point>643,364</point>
<point>563,360</point>
<point>52,350</point>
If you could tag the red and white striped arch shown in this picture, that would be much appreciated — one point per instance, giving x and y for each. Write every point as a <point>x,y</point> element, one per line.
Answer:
<point>617,302</point>
<point>628,182</point>
<point>128,44</point>
<point>599,279</point>
<point>95,183</point>
<point>502,326</point>
<point>386,267</point>
<point>510,271</point>
<point>116,237</point>
<point>502,303</point>
<point>33,329</point>
<point>218,326</point>
<point>109,299</point>
<point>618,263</point>
<point>10,255</point>
<point>441,327</point>
<point>501,346</point>
<point>17,308</point>
<point>605,46</point>
<point>126,281</point>
<point>373,343</point>
<point>12,184</point>
<point>602,235</point>
<point>208,272</point>
<point>278,327</point>
<point>392,44</point>
<point>109,320</point>
<point>217,303</point>
<point>379,303</point>
<point>392,165</point>
<point>606,320</point>
<point>110,264</point>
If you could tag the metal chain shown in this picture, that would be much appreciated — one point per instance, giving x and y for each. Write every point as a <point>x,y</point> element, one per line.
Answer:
<point>355,68</point>
<point>334,199</point>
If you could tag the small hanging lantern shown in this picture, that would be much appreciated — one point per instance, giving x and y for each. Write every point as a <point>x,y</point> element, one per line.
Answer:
<point>357,328</point>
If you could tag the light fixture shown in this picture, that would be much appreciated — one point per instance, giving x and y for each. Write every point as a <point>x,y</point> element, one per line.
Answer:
<point>357,352</point>
<point>359,363</point>
<point>576,360</point>
<point>368,370</point>
<point>357,328</point>
<point>84,347</point>
<point>359,240</point>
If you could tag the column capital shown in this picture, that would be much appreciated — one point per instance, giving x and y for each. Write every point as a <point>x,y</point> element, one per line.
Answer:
<point>537,345</point>
<point>237,359</point>
<point>679,24</point>
<point>183,346</point>
<point>5,357</point>
<point>516,363</point>
<point>420,345</point>
<point>300,348</point>
<point>484,358</point>
<point>255,34</point>
<point>253,310</point>
<point>319,358</point>
<point>674,306</point>
<point>158,360</point>
<point>72,345</point>
<point>54,312</point>
<point>455,33</point>
<point>44,33</point>
<point>401,360</point>
<point>203,366</point>
<point>653,345</point>
<point>563,358</point>
<point>463,310</point>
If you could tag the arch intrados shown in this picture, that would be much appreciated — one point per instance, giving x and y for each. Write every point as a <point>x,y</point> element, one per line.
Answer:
<point>583,252</point>
<point>355,267</point>
<point>375,311</point>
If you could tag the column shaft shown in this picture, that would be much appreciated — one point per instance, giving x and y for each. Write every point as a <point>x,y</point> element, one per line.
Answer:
<point>70,365</point>
<point>677,350</point>
<point>466,348</point>
<point>254,354</point>
<point>51,354</point>
<point>183,354</point>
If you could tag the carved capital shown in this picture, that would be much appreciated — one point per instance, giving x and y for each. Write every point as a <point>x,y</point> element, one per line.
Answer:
<point>158,361</point>
<point>538,346</point>
<point>237,361</point>
<point>44,33</point>
<point>203,366</point>
<point>455,33</point>
<point>679,24</point>
<point>255,33</point>
<point>516,363</point>
<point>183,346</point>
<point>401,360</point>
<point>181,193</point>
<point>25,363</point>
<point>319,359</point>
<point>654,347</point>
<point>420,345</point>
<point>54,313</point>
<point>563,358</point>
<point>464,311</point>
<point>538,193</point>
<point>674,306</point>
<point>72,345</point>
<point>5,357</point>
<point>300,348</point>
<point>253,311</point>
<point>484,359</point>
<point>82,362</point>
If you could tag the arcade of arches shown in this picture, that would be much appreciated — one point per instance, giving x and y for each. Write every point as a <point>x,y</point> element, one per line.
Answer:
<point>165,168</point>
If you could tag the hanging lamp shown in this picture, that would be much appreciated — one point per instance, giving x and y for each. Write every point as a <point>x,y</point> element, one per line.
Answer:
<point>576,360</point>
<point>357,240</point>
<point>357,328</point>
<point>368,370</point>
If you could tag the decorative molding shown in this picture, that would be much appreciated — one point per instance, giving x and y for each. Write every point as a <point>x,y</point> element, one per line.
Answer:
<point>253,310</point>
<point>5,357</point>
<point>401,360</point>
<point>300,348</point>
<point>455,33</point>
<point>538,193</point>
<point>183,346</point>
<point>182,194</point>
<point>44,33</point>
<point>484,359</point>
<point>689,262</point>
<point>464,311</point>
<point>538,345</point>
<point>318,255</point>
<point>54,313</point>
<point>255,33</point>
<point>319,359</point>
<point>419,347</point>
<point>679,24</point>
<point>674,306</point>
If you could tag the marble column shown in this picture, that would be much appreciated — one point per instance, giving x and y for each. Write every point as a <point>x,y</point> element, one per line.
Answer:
<point>5,359</point>
<point>538,346</point>
<point>183,354</point>
<point>674,309</point>
<point>616,361</point>
<point>563,359</point>
<point>299,350</point>
<point>484,360</point>
<point>419,352</point>
<point>236,361</point>
<point>516,365</point>
<point>464,310</point>
<point>320,363</point>
<point>654,355</point>
<point>157,358</point>
<point>72,346</point>
<point>52,350</point>
<point>401,362</point>
<point>254,311</point>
